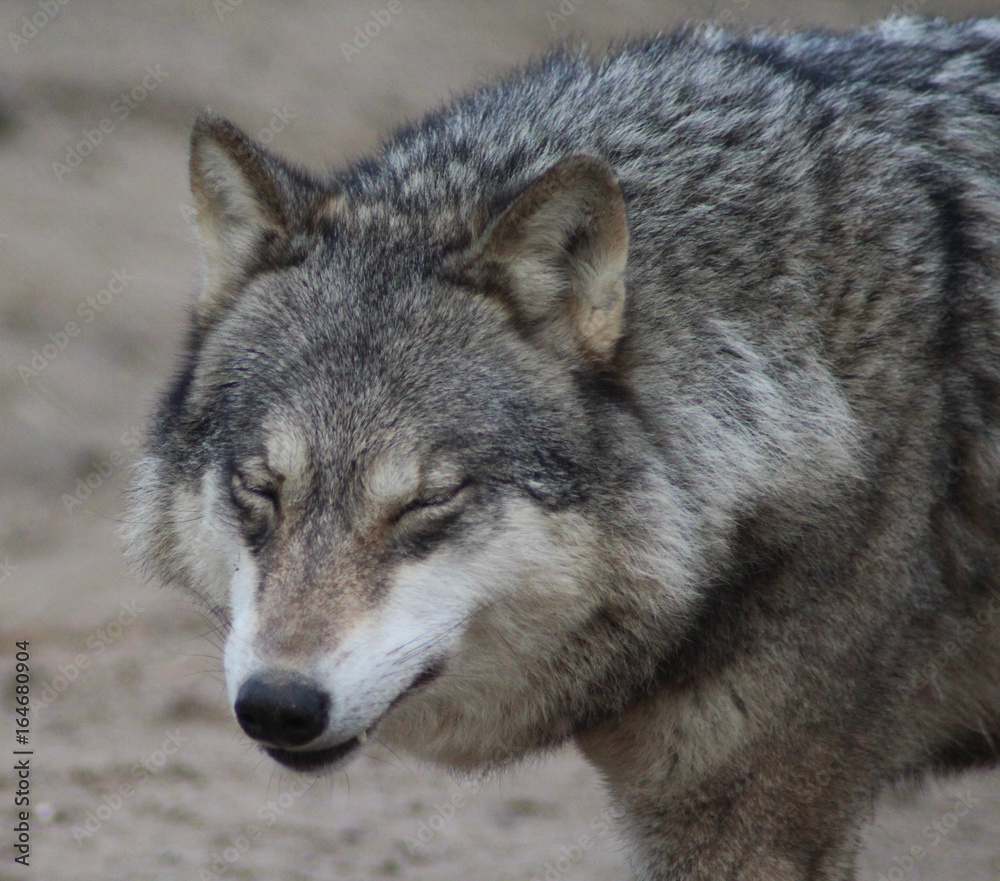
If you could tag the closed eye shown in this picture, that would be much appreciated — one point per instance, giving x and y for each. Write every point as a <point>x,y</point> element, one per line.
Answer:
<point>434,500</point>
<point>268,492</point>
<point>256,497</point>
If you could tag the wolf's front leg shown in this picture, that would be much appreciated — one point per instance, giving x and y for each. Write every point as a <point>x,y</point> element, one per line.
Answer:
<point>705,799</point>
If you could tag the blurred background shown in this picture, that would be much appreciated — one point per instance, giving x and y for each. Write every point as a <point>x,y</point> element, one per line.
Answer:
<point>138,771</point>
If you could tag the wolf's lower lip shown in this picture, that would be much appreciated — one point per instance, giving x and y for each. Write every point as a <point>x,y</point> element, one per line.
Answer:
<point>312,760</point>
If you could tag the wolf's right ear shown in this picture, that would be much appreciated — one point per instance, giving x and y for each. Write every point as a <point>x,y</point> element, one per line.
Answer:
<point>247,203</point>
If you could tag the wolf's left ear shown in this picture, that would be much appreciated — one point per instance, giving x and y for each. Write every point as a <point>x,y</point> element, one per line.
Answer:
<point>247,205</point>
<point>556,258</point>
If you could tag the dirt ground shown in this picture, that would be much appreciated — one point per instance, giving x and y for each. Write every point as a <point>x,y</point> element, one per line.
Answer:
<point>138,771</point>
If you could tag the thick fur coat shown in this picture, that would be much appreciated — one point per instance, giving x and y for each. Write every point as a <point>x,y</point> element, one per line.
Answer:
<point>654,404</point>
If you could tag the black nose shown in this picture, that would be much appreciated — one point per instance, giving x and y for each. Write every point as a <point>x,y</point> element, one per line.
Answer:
<point>281,708</point>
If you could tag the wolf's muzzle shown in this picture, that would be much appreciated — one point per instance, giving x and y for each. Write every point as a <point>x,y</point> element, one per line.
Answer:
<point>282,709</point>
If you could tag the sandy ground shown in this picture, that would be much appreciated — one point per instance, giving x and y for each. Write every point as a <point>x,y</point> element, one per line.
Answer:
<point>138,771</point>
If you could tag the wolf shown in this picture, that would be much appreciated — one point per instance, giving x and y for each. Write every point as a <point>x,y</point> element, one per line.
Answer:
<point>650,403</point>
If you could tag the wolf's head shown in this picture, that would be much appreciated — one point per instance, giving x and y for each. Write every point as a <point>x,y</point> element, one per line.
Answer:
<point>401,457</point>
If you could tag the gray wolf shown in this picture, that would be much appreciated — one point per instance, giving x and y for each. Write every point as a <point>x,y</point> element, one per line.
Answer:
<point>653,404</point>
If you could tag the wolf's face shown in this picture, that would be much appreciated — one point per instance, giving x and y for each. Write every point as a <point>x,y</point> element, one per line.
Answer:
<point>399,473</point>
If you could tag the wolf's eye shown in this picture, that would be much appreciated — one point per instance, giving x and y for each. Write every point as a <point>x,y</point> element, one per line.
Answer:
<point>435,499</point>
<point>256,497</point>
<point>258,487</point>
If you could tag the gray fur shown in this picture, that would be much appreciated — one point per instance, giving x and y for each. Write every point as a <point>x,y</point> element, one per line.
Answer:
<point>706,340</point>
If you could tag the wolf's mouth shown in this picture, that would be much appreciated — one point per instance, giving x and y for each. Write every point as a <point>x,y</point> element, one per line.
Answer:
<point>314,760</point>
<point>306,760</point>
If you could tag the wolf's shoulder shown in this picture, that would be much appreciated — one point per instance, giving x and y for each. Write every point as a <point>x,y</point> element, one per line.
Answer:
<point>700,88</point>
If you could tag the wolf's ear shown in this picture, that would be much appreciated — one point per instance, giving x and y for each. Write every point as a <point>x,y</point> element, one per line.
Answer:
<point>556,258</point>
<point>247,204</point>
